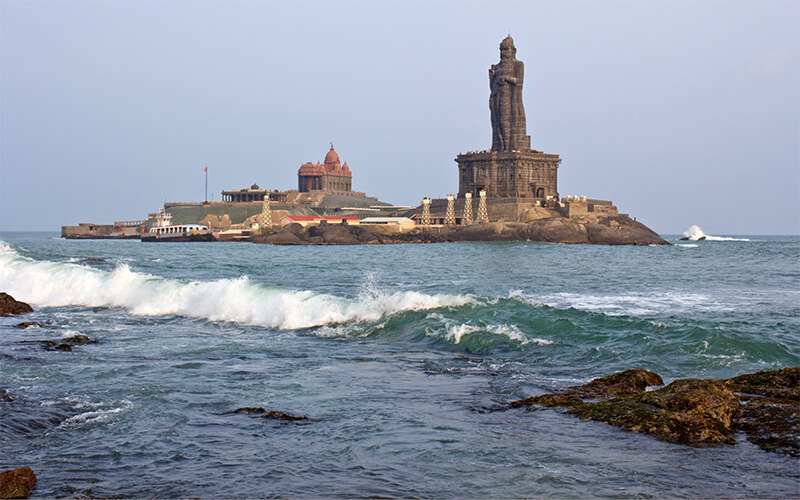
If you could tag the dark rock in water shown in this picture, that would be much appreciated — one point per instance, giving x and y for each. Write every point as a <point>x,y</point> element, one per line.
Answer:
<point>5,396</point>
<point>687,411</point>
<point>9,306</point>
<point>783,383</point>
<point>250,410</point>
<point>277,415</point>
<point>618,384</point>
<point>48,345</point>
<point>29,324</point>
<point>93,259</point>
<point>65,345</point>
<point>701,238</point>
<point>78,339</point>
<point>17,483</point>
<point>684,238</point>
<point>772,424</point>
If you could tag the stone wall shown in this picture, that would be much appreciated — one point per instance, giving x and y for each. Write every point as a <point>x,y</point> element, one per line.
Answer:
<point>87,230</point>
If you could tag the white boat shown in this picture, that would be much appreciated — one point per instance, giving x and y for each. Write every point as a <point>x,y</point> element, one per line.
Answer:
<point>164,231</point>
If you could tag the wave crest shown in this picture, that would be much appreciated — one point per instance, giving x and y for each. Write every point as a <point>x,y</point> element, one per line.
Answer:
<point>53,284</point>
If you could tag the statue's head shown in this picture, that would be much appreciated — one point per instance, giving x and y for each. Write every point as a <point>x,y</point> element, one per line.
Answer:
<point>507,49</point>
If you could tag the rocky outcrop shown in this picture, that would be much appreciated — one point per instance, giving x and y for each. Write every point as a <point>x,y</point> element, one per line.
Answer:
<point>279,239</point>
<point>9,306</point>
<point>17,483</point>
<point>686,411</point>
<point>539,225</point>
<point>691,411</point>
<point>272,414</point>
<point>537,213</point>
<point>322,234</point>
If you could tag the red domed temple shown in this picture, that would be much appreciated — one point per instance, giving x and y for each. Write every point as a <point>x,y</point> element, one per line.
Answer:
<point>331,176</point>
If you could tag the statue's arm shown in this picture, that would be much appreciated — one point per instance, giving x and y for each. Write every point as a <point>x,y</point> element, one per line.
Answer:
<point>519,72</point>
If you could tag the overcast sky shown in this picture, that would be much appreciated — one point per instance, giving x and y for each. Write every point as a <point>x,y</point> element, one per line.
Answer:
<point>681,112</point>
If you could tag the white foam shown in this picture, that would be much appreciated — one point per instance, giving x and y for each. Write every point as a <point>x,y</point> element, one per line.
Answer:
<point>694,233</point>
<point>95,416</point>
<point>457,331</point>
<point>633,304</point>
<point>52,284</point>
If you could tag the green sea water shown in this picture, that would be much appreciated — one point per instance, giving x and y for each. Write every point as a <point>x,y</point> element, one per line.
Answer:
<point>398,354</point>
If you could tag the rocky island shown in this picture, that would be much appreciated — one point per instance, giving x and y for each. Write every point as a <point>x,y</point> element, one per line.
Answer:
<point>515,187</point>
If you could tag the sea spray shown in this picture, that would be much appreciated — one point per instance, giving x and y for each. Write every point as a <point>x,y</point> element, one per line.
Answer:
<point>695,233</point>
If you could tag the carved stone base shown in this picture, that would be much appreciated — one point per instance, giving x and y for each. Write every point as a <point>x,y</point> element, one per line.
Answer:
<point>530,174</point>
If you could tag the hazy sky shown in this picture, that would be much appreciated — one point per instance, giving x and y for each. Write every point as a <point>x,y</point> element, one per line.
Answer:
<point>681,112</point>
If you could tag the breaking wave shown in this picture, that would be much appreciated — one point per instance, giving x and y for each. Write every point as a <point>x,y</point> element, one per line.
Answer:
<point>54,284</point>
<point>694,233</point>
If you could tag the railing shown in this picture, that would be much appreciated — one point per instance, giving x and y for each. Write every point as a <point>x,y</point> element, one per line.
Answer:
<point>129,223</point>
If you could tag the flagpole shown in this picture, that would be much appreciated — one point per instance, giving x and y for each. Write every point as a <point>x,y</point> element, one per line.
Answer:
<point>206,171</point>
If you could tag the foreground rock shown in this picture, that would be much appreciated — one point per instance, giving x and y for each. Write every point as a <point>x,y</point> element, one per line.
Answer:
<point>691,411</point>
<point>9,306</point>
<point>276,415</point>
<point>17,483</point>
<point>686,411</point>
<point>616,230</point>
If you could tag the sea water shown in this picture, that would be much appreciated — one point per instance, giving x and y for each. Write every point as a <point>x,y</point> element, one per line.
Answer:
<point>399,355</point>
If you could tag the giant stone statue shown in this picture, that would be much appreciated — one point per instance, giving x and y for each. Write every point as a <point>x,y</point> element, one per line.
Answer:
<point>505,101</point>
<point>513,176</point>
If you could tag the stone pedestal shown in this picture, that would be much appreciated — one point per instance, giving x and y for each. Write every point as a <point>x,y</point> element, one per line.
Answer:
<point>530,175</point>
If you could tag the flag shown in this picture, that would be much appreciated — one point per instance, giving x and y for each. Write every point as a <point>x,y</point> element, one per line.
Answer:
<point>205,169</point>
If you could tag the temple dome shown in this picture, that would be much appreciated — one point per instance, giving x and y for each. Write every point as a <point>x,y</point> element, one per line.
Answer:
<point>332,159</point>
